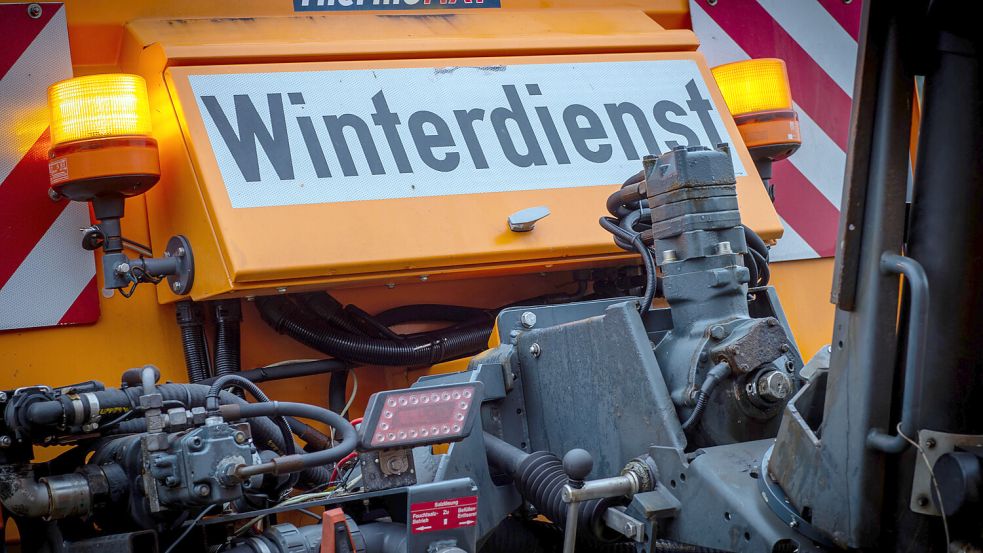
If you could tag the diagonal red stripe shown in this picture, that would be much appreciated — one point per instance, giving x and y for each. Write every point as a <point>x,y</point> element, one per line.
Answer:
<point>19,30</point>
<point>847,15</point>
<point>85,309</point>
<point>805,208</point>
<point>758,34</point>
<point>26,212</point>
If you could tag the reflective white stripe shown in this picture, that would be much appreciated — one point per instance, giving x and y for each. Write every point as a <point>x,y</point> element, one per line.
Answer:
<point>715,44</point>
<point>819,159</point>
<point>815,30</point>
<point>791,246</point>
<point>24,91</point>
<point>52,276</point>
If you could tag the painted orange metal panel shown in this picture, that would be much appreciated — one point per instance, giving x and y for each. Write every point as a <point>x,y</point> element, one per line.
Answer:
<point>425,242</point>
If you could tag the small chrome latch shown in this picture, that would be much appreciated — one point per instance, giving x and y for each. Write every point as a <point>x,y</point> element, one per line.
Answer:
<point>525,220</point>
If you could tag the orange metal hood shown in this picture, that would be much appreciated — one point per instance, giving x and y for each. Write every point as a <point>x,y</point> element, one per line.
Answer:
<point>365,199</point>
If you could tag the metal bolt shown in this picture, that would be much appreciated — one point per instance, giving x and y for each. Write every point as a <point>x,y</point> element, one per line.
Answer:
<point>774,386</point>
<point>176,286</point>
<point>789,366</point>
<point>922,501</point>
<point>528,319</point>
<point>122,268</point>
<point>3,397</point>
<point>203,490</point>
<point>239,437</point>
<point>724,248</point>
<point>772,321</point>
<point>793,524</point>
<point>180,251</point>
<point>171,481</point>
<point>424,278</point>
<point>784,348</point>
<point>930,443</point>
<point>629,529</point>
<point>535,350</point>
<point>34,11</point>
<point>53,195</point>
<point>5,441</point>
<point>390,285</point>
<point>718,332</point>
<point>196,442</point>
<point>167,254</point>
<point>669,256</point>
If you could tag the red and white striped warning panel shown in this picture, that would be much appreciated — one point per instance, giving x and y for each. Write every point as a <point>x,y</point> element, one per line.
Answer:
<point>818,41</point>
<point>46,278</point>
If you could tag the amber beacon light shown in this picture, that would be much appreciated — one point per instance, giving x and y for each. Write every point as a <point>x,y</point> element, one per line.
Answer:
<point>759,98</point>
<point>102,152</point>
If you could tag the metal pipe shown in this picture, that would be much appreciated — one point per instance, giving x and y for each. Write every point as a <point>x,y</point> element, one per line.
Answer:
<point>570,531</point>
<point>616,486</point>
<point>915,358</point>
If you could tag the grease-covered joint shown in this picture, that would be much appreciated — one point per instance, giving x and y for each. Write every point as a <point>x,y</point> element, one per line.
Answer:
<point>22,495</point>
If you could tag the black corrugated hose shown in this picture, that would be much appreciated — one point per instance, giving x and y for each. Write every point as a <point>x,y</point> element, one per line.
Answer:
<point>191,319</point>
<point>228,316</point>
<point>298,322</point>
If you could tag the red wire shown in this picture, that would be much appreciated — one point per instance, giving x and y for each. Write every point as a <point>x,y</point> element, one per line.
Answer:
<point>345,459</point>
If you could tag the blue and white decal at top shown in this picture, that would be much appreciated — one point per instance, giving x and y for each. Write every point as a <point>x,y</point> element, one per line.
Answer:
<point>366,5</point>
<point>290,138</point>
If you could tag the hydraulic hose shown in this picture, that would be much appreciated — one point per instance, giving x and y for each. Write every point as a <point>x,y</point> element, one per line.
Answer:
<point>212,404</point>
<point>432,348</point>
<point>191,319</point>
<point>337,387</point>
<point>426,312</point>
<point>228,316</point>
<point>289,370</point>
<point>297,462</point>
<point>651,279</point>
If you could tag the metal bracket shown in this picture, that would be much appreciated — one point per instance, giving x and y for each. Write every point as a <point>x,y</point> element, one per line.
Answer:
<point>628,526</point>
<point>935,445</point>
<point>179,248</point>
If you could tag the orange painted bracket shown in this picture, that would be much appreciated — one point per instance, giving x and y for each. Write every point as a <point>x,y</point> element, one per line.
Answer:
<point>333,524</point>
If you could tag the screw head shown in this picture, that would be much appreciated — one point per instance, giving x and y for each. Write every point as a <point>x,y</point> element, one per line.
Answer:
<point>793,524</point>
<point>717,332</point>
<point>203,490</point>
<point>922,501</point>
<point>176,286</point>
<point>5,441</point>
<point>528,319</point>
<point>930,443</point>
<point>239,437</point>
<point>171,481</point>
<point>34,11</point>
<point>535,350</point>
<point>122,268</point>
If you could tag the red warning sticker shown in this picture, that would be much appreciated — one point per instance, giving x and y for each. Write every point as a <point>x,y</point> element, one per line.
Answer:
<point>445,514</point>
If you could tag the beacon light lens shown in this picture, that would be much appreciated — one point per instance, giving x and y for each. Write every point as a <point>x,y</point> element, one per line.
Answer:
<point>98,106</point>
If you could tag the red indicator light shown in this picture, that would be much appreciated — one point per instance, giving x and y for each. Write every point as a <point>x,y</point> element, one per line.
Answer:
<point>420,416</point>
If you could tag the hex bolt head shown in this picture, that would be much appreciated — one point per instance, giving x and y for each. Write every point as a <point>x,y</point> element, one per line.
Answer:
<point>122,268</point>
<point>203,490</point>
<point>774,386</point>
<point>528,319</point>
<point>718,332</point>
<point>239,437</point>
<point>176,286</point>
<point>171,481</point>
